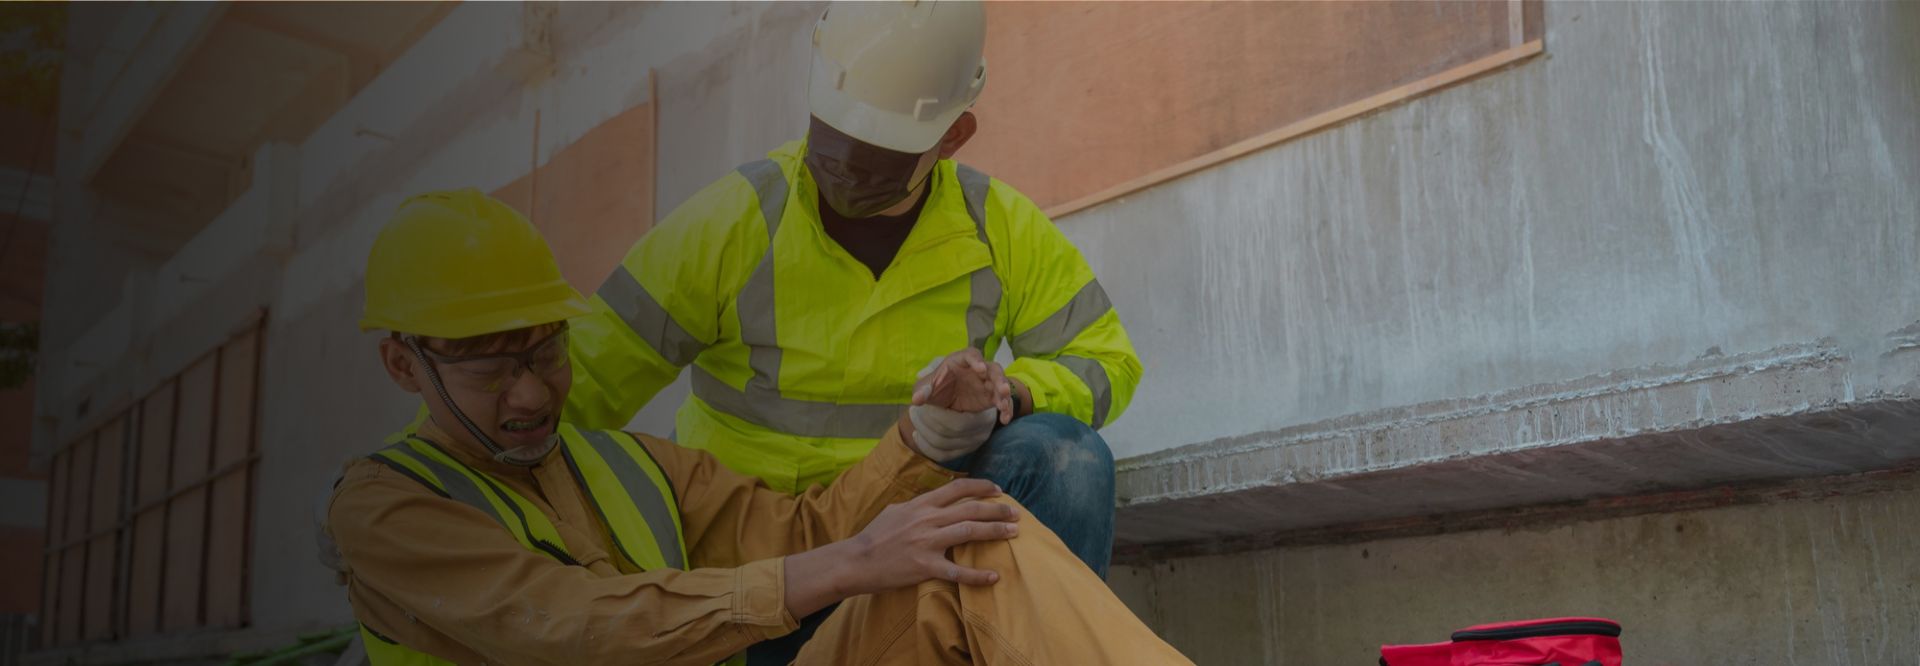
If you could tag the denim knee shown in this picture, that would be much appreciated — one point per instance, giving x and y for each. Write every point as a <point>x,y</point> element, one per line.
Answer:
<point>1054,447</point>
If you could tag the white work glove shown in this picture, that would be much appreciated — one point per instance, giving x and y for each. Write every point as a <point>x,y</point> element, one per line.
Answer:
<point>943,434</point>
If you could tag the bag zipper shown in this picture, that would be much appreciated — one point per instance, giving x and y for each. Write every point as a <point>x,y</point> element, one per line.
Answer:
<point>1574,628</point>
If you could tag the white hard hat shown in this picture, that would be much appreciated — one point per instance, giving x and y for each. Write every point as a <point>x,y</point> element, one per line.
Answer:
<point>896,74</point>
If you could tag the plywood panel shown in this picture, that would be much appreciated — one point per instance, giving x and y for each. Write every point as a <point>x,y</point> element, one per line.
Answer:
<point>1085,97</point>
<point>108,463</point>
<point>233,435</point>
<point>186,535</point>
<point>227,524</point>
<point>59,484</point>
<point>193,429</point>
<point>143,588</point>
<point>149,527</point>
<point>226,551</point>
<point>73,569</point>
<point>49,599</point>
<point>187,513</point>
<point>56,533</point>
<point>595,196</point>
<point>76,491</point>
<point>155,445</point>
<point>103,548</point>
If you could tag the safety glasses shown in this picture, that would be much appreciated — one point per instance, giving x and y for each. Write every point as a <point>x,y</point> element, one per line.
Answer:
<point>495,373</point>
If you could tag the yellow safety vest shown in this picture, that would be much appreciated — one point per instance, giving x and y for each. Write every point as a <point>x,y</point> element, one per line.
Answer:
<point>620,479</point>
<point>801,358</point>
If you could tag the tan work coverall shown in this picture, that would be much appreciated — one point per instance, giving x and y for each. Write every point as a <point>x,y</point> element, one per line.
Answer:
<point>441,577</point>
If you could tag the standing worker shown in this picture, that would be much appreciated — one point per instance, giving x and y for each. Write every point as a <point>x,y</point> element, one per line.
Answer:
<point>807,289</point>
<point>494,531</point>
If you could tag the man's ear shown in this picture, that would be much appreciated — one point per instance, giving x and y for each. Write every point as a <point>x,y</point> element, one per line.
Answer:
<point>958,135</point>
<point>402,366</point>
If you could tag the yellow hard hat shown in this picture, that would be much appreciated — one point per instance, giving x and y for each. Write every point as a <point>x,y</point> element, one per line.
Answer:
<point>459,263</point>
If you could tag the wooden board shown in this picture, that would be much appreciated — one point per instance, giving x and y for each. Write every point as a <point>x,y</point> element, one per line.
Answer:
<point>227,527</point>
<point>50,596</point>
<point>187,513</point>
<point>595,197</point>
<point>73,559</point>
<point>1084,101</point>
<point>103,549</point>
<point>149,528</point>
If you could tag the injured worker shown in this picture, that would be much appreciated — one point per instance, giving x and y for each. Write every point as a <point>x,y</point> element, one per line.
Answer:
<point>493,531</point>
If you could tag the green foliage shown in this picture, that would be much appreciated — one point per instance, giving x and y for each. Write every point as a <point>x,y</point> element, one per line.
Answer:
<point>19,348</point>
<point>32,40</point>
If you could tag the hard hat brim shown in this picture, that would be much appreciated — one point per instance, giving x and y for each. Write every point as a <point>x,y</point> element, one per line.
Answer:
<point>483,322</point>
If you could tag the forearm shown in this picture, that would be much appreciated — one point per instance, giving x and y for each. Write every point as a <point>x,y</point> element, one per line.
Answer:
<point>817,579</point>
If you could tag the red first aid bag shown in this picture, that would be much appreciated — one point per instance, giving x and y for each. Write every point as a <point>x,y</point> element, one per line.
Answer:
<point>1560,641</point>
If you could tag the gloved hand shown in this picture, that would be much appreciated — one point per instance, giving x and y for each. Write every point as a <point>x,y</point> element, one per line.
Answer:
<point>953,409</point>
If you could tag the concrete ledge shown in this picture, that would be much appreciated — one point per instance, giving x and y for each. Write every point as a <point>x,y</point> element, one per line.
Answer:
<point>1790,412</point>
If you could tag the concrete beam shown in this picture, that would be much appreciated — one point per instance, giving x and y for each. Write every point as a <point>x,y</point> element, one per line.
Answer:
<point>1790,412</point>
<point>123,93</point>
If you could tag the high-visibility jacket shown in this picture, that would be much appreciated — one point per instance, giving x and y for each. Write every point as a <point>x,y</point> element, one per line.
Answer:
<point>801,358</point>
<point>626,487</point>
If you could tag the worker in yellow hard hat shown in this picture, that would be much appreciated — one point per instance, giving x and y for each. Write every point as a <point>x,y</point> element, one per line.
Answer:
<point>493,530</point>
<point>807,289</point>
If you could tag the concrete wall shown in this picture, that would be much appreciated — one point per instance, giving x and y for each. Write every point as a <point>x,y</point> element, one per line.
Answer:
<point>1669,179</point>
<point>1672,183</point>
<point>1826,581</point>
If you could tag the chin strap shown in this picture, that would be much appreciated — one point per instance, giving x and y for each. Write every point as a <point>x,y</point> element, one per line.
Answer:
<point>499,454</point>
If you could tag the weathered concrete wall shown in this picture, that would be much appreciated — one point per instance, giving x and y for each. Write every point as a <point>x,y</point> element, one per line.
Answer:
<point>1669,178</point>
<point>1828,582</point>
<point>1671,182</point>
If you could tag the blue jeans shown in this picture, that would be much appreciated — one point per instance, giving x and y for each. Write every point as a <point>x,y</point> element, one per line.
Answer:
<point>1055,466</point>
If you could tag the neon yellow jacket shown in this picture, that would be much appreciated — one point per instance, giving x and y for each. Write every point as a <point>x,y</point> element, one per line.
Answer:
<point>801,359</point>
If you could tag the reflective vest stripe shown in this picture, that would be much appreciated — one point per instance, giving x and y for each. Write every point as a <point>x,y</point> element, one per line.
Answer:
<point>648,318</point>
<point>793,416</point>
<point>628,497</point>
<point>1095,376</point>
<point>985,307</point>
<point>760,402</point>
<point>616,473</point>
<point>528,525</point>
<point>1060,328</point>
<point>759,329</point>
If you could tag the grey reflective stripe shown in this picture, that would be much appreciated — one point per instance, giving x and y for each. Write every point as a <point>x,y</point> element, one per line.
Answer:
<point>457,485</point>
<point>805,418</point>
<point>983,308</point>
<point>648,318</point>
<point>1065,324</point>
<point>646,496</point>
<point>1095,376</point>
<point>758,327</point>
<point>771,186</point>
<point>985,304</point>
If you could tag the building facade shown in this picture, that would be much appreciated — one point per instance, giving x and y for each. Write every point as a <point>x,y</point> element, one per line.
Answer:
<point>1450,312</point>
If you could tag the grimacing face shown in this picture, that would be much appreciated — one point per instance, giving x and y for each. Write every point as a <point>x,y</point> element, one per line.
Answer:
<point>510,384</point>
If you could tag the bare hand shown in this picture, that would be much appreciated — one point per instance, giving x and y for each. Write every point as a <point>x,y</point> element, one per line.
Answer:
<point>965,381</point>
<point>907,543</point>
